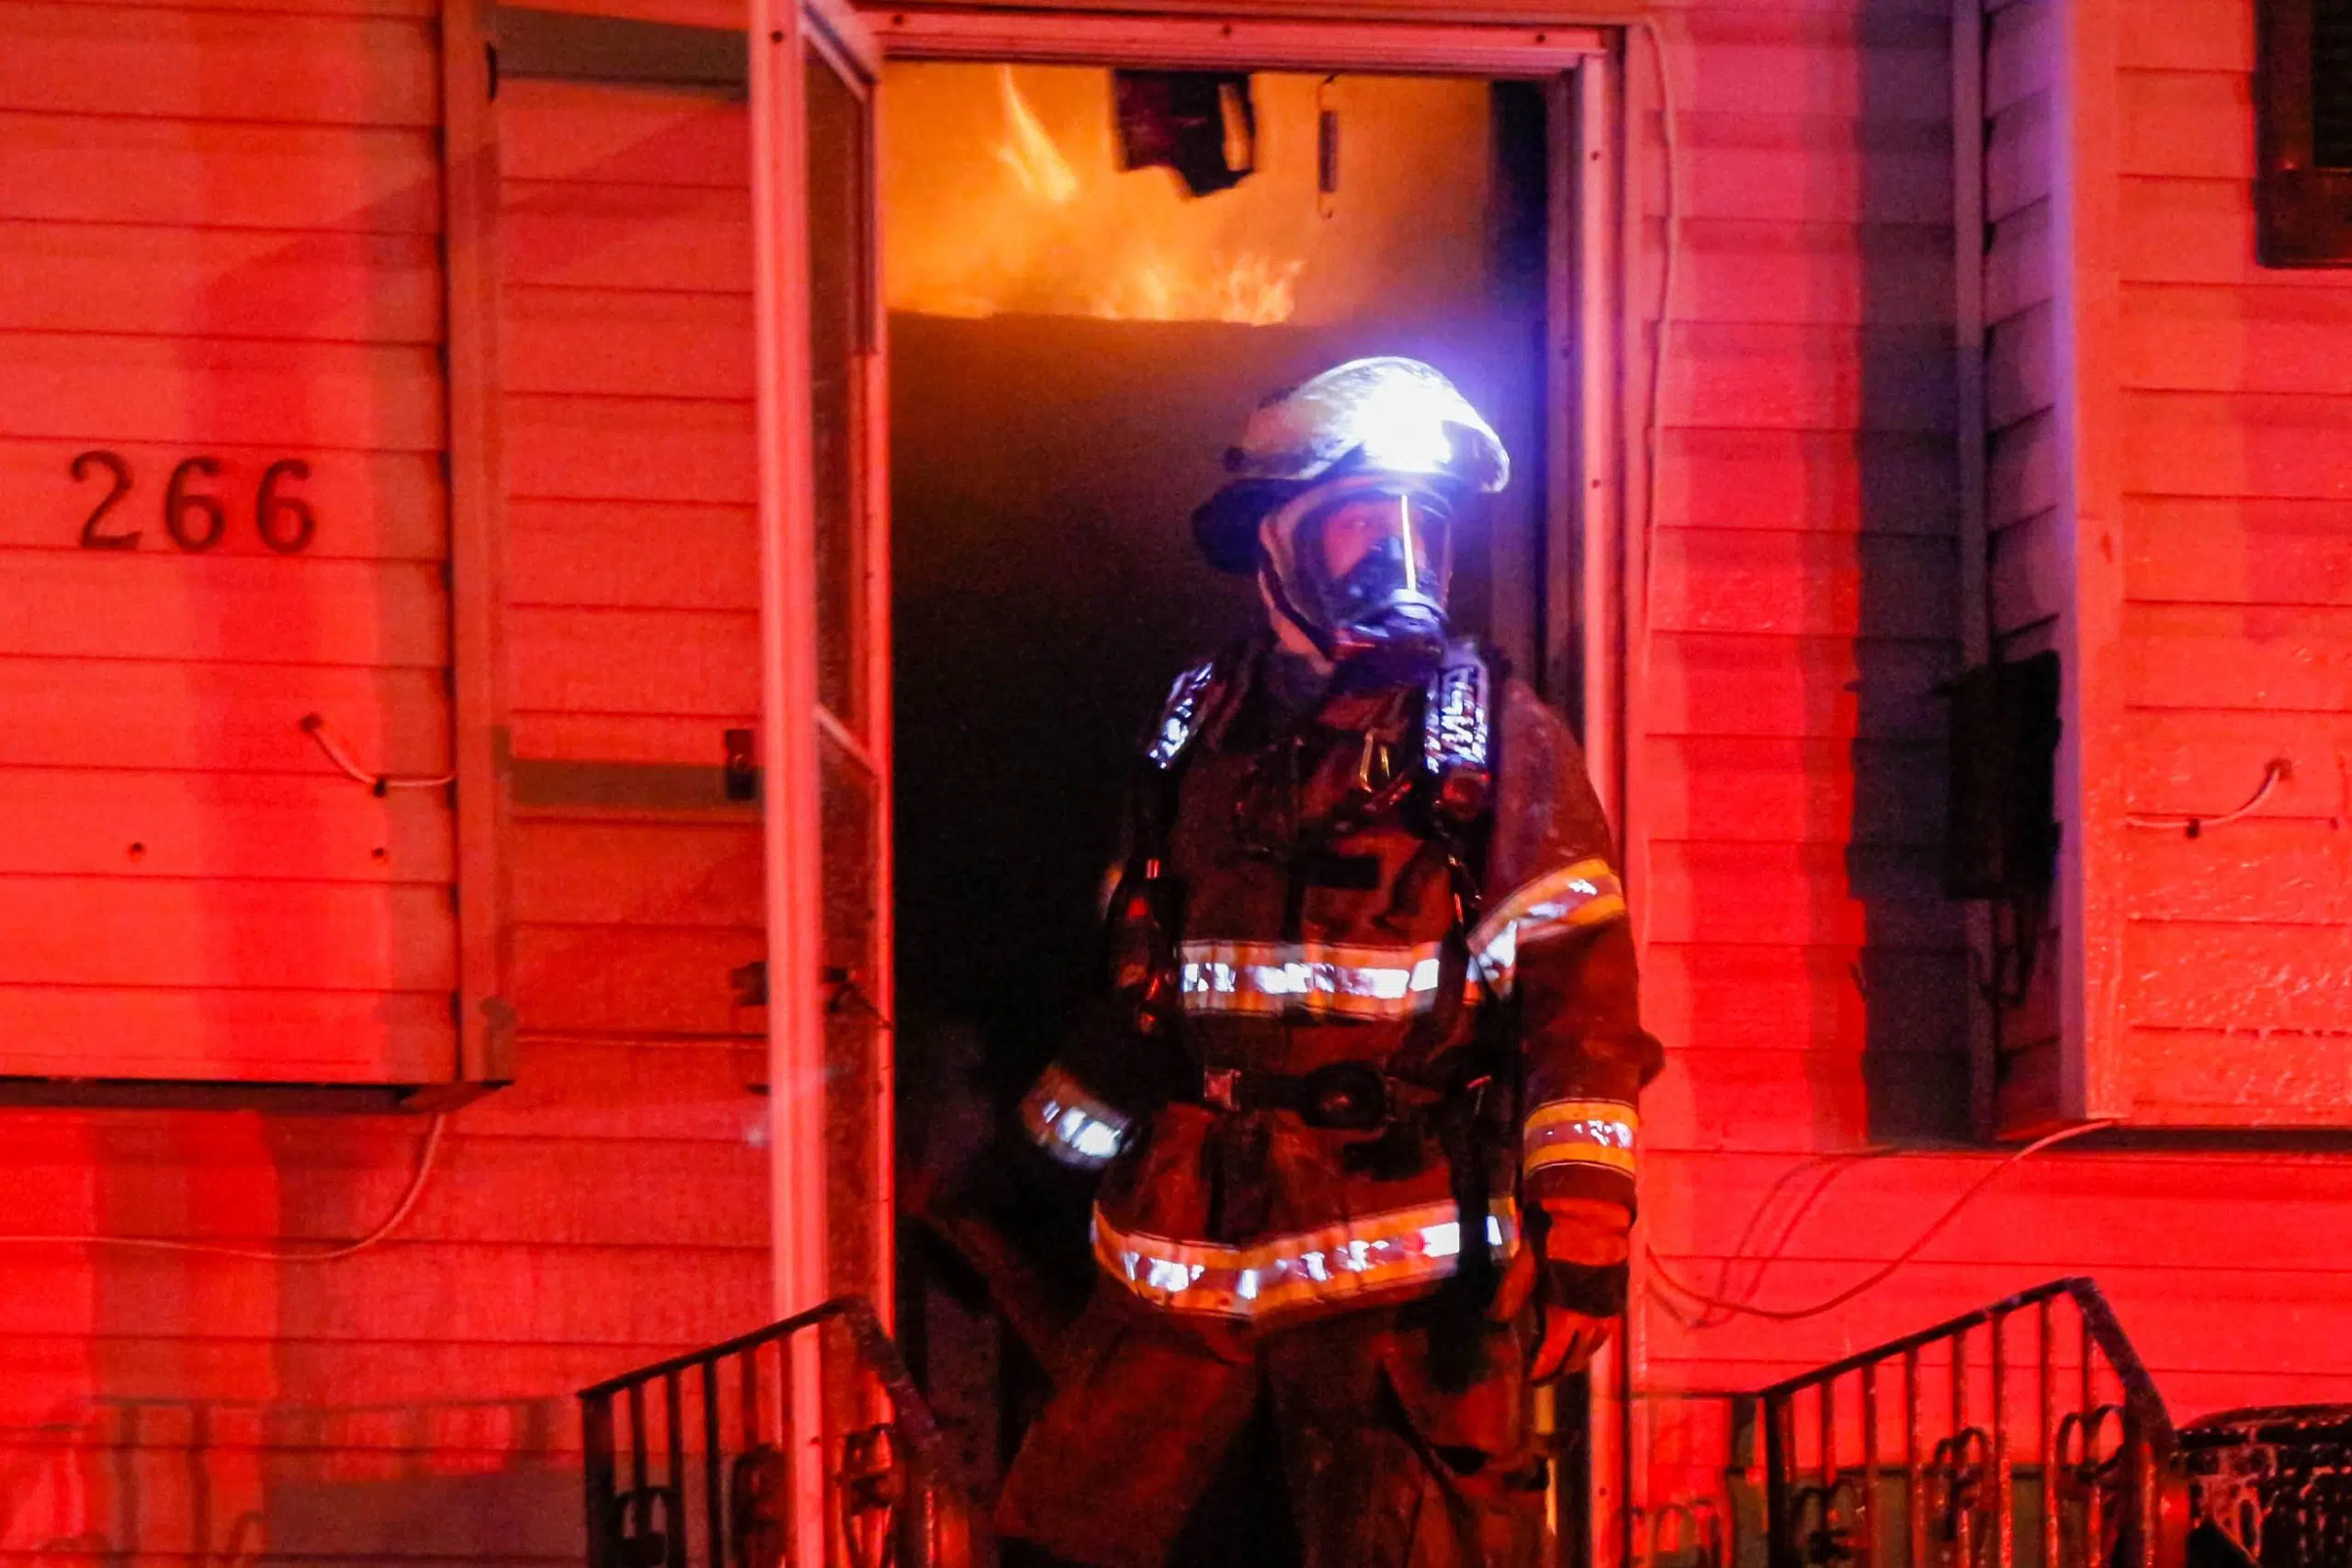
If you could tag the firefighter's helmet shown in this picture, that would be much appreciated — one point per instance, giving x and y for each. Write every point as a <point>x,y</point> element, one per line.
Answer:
<point>1387,415</point>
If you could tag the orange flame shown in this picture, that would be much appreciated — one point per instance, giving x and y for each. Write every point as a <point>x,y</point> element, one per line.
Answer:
<point>1046,237</point>
<point>1254,289</point>
<point>1037,164</point>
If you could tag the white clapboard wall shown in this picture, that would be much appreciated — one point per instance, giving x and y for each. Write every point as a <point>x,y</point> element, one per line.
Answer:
<point>219,260</point>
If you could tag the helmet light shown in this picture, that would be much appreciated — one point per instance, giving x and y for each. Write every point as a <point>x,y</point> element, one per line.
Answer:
<point>1403,434</point>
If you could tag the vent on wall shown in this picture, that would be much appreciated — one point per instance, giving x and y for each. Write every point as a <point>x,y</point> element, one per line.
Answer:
<point>2303,107</point>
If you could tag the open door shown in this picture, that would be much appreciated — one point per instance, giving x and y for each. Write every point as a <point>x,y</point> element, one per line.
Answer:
<point>824,556</point>
<point>825,680</point>
<point>849,469</point>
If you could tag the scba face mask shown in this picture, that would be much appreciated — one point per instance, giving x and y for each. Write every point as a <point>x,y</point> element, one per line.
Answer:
<point>1360,568</point>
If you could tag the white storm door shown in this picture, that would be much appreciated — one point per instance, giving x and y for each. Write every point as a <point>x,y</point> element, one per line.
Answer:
<point>826,650</point>
<point>825,675</point>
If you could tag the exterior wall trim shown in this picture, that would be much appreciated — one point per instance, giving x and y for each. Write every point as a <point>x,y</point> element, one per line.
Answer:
<point>1592,107</point>
<point>793,852</point>
<point>1175,42</point>
<point>2089,785</point>
<point>477,545</point>
<point>1972,458</point>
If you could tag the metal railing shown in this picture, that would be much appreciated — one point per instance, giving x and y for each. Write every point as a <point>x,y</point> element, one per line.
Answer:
<point>2026,1435</point>
<point>689,1460</point>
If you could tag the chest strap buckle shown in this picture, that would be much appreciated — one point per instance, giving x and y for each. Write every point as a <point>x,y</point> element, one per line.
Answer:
<point>1354,1097</point>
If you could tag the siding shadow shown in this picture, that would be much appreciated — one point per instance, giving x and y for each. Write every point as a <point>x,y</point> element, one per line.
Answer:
<point>1912,968</point>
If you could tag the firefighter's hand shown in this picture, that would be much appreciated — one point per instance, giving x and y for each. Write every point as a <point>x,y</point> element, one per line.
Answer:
<point>1577,1281</point>
<point>1570,1339</point>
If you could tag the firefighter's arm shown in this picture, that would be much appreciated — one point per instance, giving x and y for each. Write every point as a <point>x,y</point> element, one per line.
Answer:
<point>1109,1074</point>
<point>1586,1058</point>
<point>1561,945</point>
<point>1074,1123</point>
<point>1081,1107</point>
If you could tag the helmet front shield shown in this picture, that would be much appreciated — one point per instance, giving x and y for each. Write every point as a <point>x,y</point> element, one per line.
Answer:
<point>1389,416</point>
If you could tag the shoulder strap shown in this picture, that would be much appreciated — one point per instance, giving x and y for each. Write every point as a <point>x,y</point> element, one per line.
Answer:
<point>1457,735</point>
<point>1193,703</point>
<point>1459,746</point>
<point>1142,919</point>
<point>1181,714</point>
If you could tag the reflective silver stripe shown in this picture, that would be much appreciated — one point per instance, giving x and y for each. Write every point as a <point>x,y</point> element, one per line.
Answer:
<point>1397,1250</point>
<point>1317,977</point>
<point>1069,1123</point>
<point>1568,898</point>
<point>1180,716</point>
<point>1354,980</point>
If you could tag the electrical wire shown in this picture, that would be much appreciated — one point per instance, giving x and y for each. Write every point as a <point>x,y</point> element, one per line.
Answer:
<point>2273,773</point>
<point>1658,1270</point>
<point>1654,414</point>
<point>1653,419</point>
<point>315,726</point>
<point>1831,1164</point>
<point>264,1255</point>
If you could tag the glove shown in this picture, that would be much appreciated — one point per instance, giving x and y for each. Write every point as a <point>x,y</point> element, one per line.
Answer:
<point>1576,1275</point>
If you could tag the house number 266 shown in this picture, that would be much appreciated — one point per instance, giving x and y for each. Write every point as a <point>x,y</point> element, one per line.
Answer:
<point>195,520</point>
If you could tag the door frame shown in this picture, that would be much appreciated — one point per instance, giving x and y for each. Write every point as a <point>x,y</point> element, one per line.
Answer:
<point>794,727</point>
<point>1362,44</point>
<point>1583,639</point>
<point>1593,563</point>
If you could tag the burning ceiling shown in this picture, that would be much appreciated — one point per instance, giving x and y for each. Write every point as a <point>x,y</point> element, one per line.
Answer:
<point>1003,194</point>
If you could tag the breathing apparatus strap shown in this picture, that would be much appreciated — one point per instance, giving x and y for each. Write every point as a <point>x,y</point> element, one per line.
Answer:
<point>1142,919</point>
<point>1457,736</point>
<point>1457,778</point>
<point>1456,767</point>
<point>1459,764</point>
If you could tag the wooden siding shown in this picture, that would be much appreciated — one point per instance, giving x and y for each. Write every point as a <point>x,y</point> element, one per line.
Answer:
<point>1800,600</point>
<point>2028,574</point>
<point>2236,388</point>
<point>632,645</point>
<point>411,1404</point>
<point>1807,979</point>
<point>1788,772</point>
<point>1803,601</point>
<point>219,241</point>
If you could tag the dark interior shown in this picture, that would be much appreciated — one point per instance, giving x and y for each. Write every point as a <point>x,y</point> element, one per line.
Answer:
<point>1046,590</point>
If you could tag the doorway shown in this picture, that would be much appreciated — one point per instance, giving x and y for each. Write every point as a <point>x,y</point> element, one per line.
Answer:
<point>1072,347</point>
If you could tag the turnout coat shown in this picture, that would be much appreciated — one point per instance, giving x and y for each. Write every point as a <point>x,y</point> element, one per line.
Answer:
<point>1402,908</point>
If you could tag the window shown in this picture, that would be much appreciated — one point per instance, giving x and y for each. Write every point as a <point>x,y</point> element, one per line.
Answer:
<point>2303,108</point>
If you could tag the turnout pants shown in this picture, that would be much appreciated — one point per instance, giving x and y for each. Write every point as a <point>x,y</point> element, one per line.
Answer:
<point>1385,1469</point>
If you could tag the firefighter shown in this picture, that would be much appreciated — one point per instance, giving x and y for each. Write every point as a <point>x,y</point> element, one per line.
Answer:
<point>1360,1096</point>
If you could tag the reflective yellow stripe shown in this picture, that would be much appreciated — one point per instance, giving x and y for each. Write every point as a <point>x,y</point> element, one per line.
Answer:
<point>1581,1131</point>
<point>1400,1249</point>
<point>1069,1123</point>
